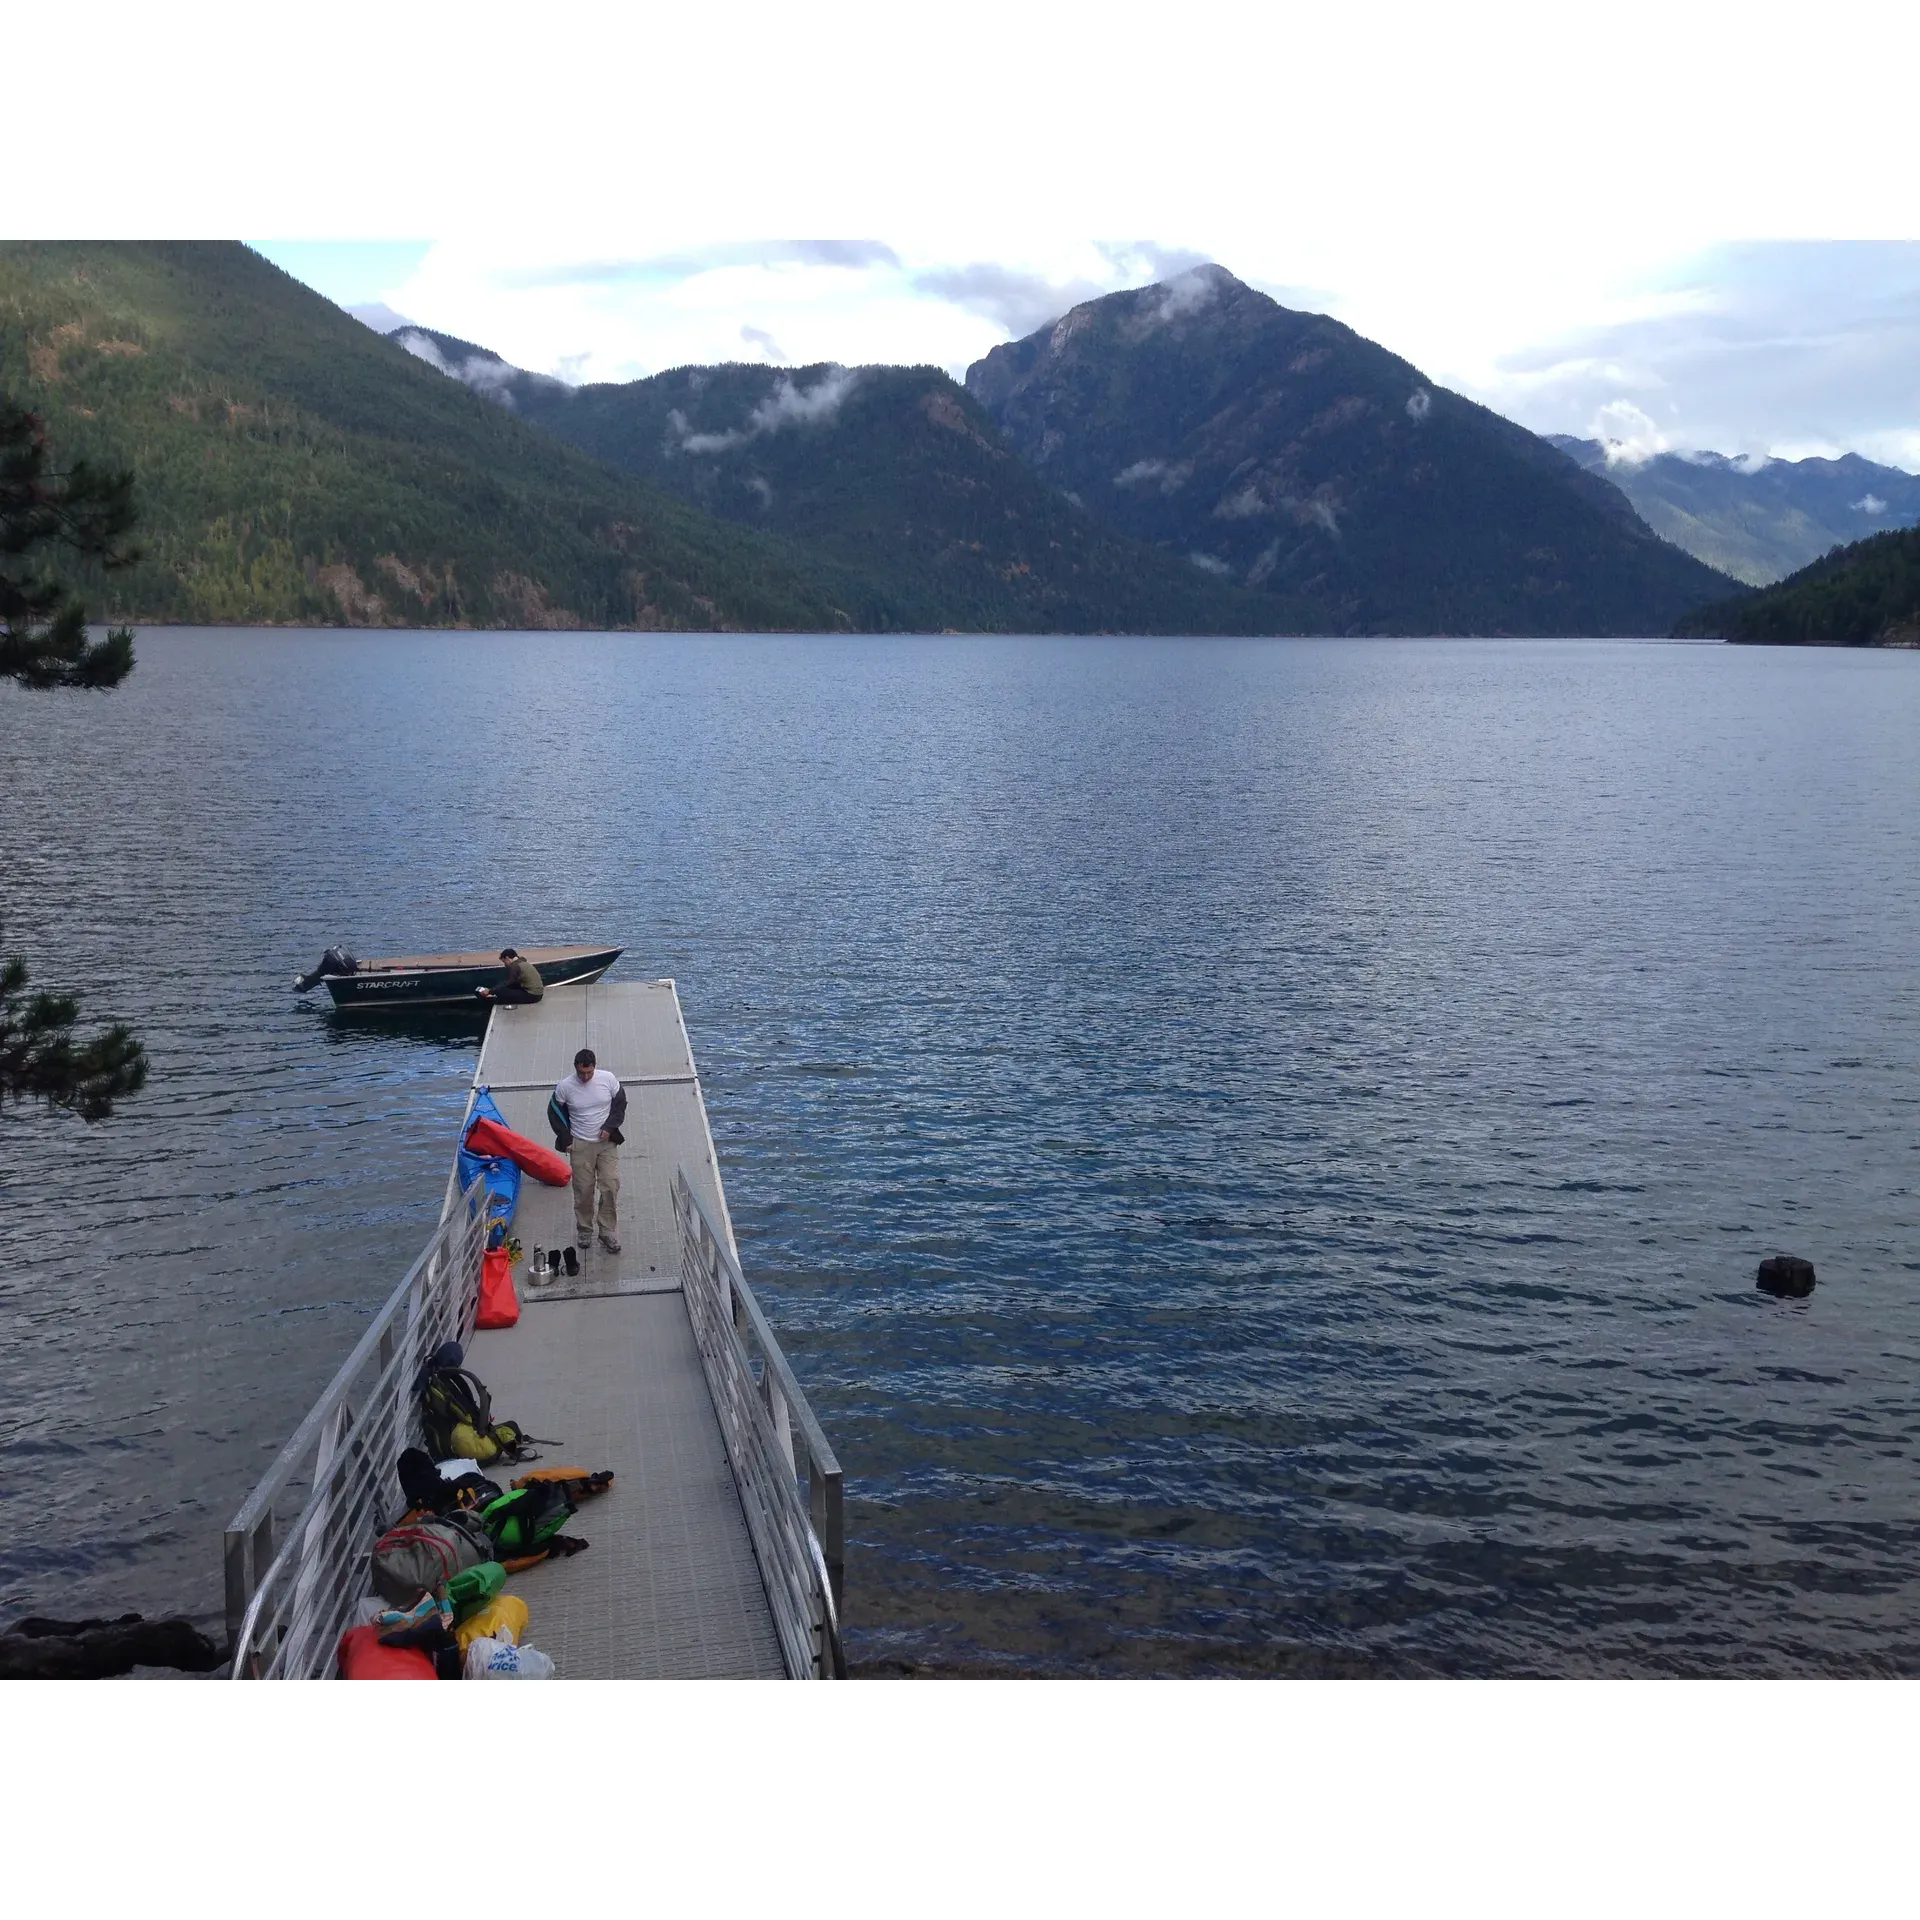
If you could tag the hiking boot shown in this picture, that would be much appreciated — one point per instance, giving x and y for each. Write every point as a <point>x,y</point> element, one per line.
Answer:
<point>610,1243</point>
<point>573,1263</point>
<point>583,1239</point>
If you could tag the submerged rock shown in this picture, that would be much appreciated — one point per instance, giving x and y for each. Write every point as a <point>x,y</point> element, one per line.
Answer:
<point>1786,1276</point>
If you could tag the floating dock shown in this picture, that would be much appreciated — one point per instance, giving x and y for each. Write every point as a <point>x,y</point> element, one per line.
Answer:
<point>717,1553</point>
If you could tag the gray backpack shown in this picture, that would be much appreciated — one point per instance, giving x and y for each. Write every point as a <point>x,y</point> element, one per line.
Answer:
<point>421,1556</point>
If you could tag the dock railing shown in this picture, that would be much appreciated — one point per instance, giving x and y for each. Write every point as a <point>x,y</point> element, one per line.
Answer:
<point>775,1446</point>
<point>286,1609</point>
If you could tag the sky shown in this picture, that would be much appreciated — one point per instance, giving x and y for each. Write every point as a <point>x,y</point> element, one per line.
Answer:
<point>1671,223</point>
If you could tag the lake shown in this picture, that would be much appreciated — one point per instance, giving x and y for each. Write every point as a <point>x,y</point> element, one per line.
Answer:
<point>1258,1150</point>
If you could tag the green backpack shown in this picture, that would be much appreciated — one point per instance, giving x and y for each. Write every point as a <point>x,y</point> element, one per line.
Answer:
<point>524,1522</point>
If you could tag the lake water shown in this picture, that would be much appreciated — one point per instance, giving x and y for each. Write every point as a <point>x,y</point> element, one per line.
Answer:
<point>1258,1150</point>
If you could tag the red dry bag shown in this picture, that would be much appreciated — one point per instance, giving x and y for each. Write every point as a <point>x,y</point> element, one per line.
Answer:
<point>499,1304</point>
<point>362,1657</point>
<point>494,1142</point>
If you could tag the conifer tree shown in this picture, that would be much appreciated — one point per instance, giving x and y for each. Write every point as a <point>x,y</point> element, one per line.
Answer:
<point>87,511</point>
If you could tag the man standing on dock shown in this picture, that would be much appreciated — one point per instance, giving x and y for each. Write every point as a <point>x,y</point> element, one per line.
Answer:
<point>585,1113</point>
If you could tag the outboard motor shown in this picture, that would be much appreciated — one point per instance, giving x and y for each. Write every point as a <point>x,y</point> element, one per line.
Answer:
<point>334,960</point>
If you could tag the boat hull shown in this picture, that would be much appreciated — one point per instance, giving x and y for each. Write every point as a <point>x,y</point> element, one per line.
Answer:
<point>377,985</point>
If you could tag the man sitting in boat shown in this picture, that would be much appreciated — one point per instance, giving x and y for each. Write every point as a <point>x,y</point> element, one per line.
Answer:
<point>522,984</point>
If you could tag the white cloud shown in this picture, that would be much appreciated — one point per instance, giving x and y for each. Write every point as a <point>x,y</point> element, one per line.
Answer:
<point>1419,404</point>
<point>481,372</point>
<point>1870,503</point>
<point>1207,563</point>
<point>787,405</point>
<point>1169,476</point>
<point>1187,293</point>
<point>1629,435</point>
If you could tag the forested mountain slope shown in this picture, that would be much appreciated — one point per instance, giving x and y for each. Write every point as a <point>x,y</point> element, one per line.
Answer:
<point>293,466</point>
<point>1864,595</point>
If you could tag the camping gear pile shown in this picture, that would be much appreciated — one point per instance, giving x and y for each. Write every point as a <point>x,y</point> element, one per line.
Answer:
<point>440,1571</point>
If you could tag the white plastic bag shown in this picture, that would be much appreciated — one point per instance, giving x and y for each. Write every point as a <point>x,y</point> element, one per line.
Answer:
<point>489,1659</point>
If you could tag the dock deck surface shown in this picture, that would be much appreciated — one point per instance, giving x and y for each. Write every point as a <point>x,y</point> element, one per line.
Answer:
<point>606,1364</point>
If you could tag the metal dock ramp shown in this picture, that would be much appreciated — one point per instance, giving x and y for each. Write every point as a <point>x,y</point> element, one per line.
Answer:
<point>717,1552</point>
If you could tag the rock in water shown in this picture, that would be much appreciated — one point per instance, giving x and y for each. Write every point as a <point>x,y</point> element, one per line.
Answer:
<point>1786,1276</point>
<point>40,1649</point>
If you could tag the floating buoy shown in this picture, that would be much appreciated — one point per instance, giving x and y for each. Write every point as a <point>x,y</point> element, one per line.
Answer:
<point>1786,1276</point>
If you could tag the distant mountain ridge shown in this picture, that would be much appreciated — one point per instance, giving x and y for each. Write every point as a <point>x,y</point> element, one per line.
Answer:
<point>1757,522</point>
<point>1284,451</point>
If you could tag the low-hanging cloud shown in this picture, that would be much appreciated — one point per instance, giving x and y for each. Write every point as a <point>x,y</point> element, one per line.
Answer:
<point>759,337</point>
<point>1630,435</point>
<point>1168,475</point>
<point>788,405</point>
<point>1190,292</point>
<point>483,372</point>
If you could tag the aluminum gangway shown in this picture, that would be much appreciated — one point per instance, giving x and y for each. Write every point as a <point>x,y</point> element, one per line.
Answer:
<point>718,1552</point>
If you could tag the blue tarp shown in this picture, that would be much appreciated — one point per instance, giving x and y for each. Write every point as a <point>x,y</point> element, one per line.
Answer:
<point>502,1176</point>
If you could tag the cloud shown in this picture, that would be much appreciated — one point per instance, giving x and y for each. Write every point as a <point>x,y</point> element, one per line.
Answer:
<point>1190,292</point>
<point>666,269</point>
<point>759,337</point>
<point>1628,434</point>
<point>786,406</point>
<point>486,373</point>
<point>1419,404</point>
<point>1135,261</point>
<point>1764,347</point>
<point>1020,301</point>
<point>1171,476</point>
<point>1244,505</point>
<point>1870,503</point>
<point>1023,300</point>
<point>1207,563</point>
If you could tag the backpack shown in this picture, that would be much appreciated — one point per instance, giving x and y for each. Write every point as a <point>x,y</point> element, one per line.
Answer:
<point>522,1522</point>
<point>456,1412</point>
<point>421,1555</point>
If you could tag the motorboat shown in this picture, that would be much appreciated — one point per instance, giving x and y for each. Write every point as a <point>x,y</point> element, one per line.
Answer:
<point>444,979</point>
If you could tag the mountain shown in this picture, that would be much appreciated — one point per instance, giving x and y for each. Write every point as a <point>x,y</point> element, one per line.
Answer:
<point>1865,595</point>
<point>1757,523</point>
<point>892,471</point>
<point>292,465</point>
<point>1282,450</point>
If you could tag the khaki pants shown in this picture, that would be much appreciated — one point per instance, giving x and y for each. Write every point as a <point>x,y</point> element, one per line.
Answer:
<point>595,1161</point>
